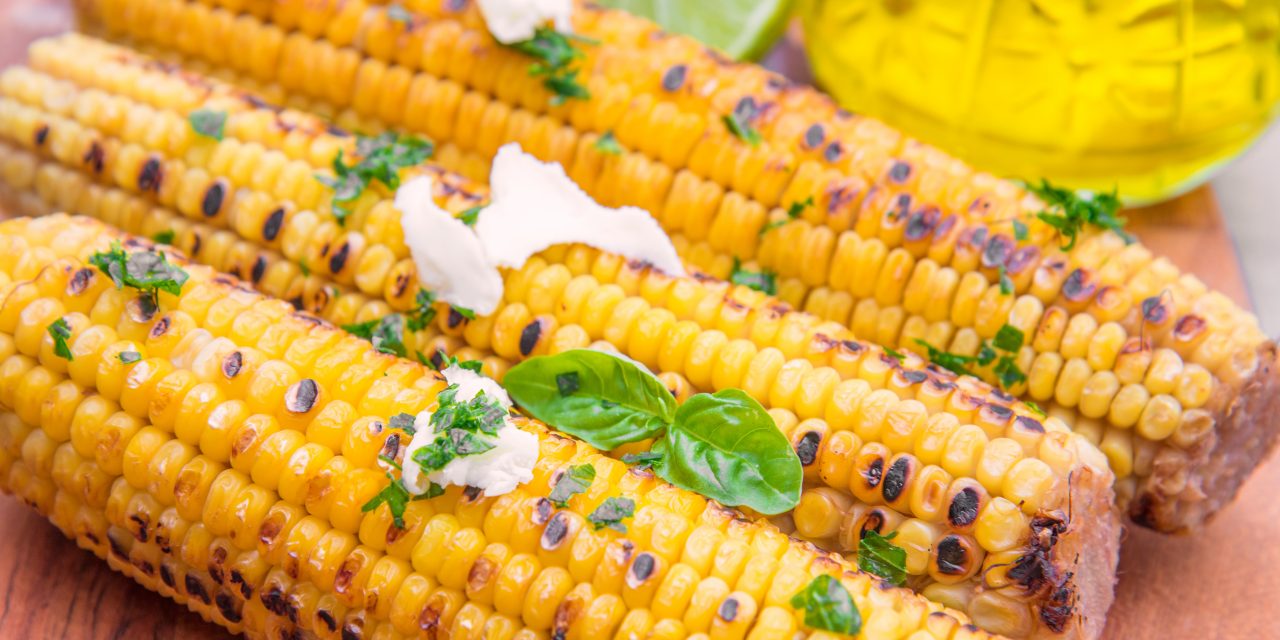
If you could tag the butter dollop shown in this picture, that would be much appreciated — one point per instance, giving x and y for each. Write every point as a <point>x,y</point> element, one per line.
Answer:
<point>512,21</point>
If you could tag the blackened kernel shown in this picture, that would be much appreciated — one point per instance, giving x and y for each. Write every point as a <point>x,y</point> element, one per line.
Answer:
<point>1154,310</point>
<point>964,507</point>
<point>79,281</point>
<point>272,226</point>
<point>952,556</point>
<point>998,411</point>
<point>807,447</point>
<point>642,567</point>
<point>1189,327</point>
<point>469,493</point>
<point>555,532</point>
<point>674,77</point>
<point>874,473</point>
<point>1022,259</point>
<point>213,197</point>
<point>151,175</point>
<point>195,244</point>
<point>258,270</point>
<point>1029,424</point>
<point>145,567</point>
<point>42,134</point>
<point>196,589</point>
<point>834,152</point>
<point>728,610</point>
<point>455,318</point>
<point>166,576</point>
<point>1077,287</point>
<point>160,328</point>
<point>142,309</point>
<point>997,251</point>
<point>227,607</point>
<point>328,620</point>
<point>914,376</point>
<point>814,136</point>
<point>95,157</point>
<point>921,223</point>
<point>851,346</point>
<point>529,337</point>
<point>232,363</point>
<point>900,172</point>
<point>542,511</point>
<point>895,481</point>
<point>874,521</point>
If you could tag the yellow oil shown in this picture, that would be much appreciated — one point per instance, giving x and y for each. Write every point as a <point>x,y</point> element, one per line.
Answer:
<point>1147,96</point>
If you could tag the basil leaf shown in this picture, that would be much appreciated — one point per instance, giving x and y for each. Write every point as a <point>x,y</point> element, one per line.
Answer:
<point>607,144</point>
<point>1009,338</point>
<point>574,481</point>
<point>727,447</point>
<point>208,123</point>
<point>828,606</point>
<point>612,401</point>
<point>878,556</point>
<point>611,513</point>
<point>60,331</point>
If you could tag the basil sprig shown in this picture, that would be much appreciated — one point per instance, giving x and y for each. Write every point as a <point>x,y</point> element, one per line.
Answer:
<point>828,606</point>
<point>878,556</point>
<point>724,446</point>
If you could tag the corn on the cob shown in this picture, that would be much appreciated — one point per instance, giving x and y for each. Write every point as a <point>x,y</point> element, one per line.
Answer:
<point>902,243</point>
<point>177,464</point>
<point>958,530</point>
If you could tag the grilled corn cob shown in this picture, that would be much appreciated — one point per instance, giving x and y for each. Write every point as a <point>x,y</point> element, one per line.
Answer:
<point>902,243</point>
<point>251,502</point>
<point>956,498</point>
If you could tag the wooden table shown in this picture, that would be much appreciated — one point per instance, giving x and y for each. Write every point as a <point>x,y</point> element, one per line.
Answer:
<point>1217,584</point>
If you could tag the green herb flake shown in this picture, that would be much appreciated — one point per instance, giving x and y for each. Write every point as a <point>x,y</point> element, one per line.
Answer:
<point>461,429</point>
<point>794,211</point>
<point>147,271</point>
<point>876,555</point>
<point>1008,373</point>
<point>952,362</point>
<point>740,122</point>
<point>828,606</point>
<point>474,366</point>
<point>1019,230</point>
<point>208,123</point>
<point>607,144</point>
<point>129,357</point>
<point>567,383</point>
<point>1035,408</point>
<point>403,422</point>
<point>60,331</point>
<point>1006,283</point>
<point>391,462</point>
<point>611,513</point>
<point>381,159</point>
<point>894,353</point>
<point>423,313</point>
<point>555,54</point>
<point>465,312</point>
<point>395,496</point>
<point>763,280</point>
<point>1069,211</point>
<point>1009,338</point>
<point>164,237</point>
<point>986,354</point>
<point>572,482</point>
<point>385,333</point>
<point>306,271</point>
<point>470,216</point>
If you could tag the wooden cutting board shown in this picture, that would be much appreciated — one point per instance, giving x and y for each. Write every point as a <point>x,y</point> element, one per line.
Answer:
<point>1216,584</point>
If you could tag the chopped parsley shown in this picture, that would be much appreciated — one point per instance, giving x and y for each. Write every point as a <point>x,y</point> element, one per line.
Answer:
<point>164,237</point>
<point>475,366</point>
<point>421,315</point>
<point>574,481</point>
<point>60,331</point>
<point>403,422</point>
<point>146,271</point>
<point>386,333</point>
<point>306,271</point>
<point>381,159</point>
<point>470,216</point>
<point>461,429</point>
<point>555,54</point>
<point>391,462</point>
<point>895,354</point>
<point>763,280</point>
<point>611,513</point>
<point>952,362</point>
<point>1069,211</point>
<point>208,123</point>
<point>740,122</point>
<point>794,211</point>
<point>827,605</point>
<point>465,312</point>
<point>1035,408</point>
<point>876,555</point>
<point>396,498</point>
<point>1009,338</point>
<point>1019,230</point>
<point>1006,283</point>
<point>129,357</point>
<point>607,144</point>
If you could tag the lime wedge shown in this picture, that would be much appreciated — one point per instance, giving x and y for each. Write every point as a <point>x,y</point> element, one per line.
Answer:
<point>744,29</point>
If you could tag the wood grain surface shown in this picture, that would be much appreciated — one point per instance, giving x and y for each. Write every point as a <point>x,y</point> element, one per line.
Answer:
<point>1217,584</point>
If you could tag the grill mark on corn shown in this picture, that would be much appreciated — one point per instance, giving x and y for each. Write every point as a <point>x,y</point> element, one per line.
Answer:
<point>900,172</point>
<point>160,328</point>
<point>196,589</point>
<point>79,281</point>
<point>952,556</point>
<point>1078,287</point>
<point>347,572</point>
<point>921,223</point>
<point>542,511</point>
<point>232,364</point>
<point>339,258</point>
<point>833,152</point>
<point>529,337</point>
<point>555,532</point>
<point>429,619</point>
<point>997,251</point>
<point>964,507</point>
<point>142,522</point>
<point>258,270</point>
<point>211,204</point>
<point>327,619</point>
<point>272,225</point>
<point>42,134</point>
<point>166,576</point>
<point>873,473</point>
<point>728,610</point>
<point>807,447</point>
<point>455,318</point>
<point>1030,424</point>
<point>1189,327</point>
<point>641,569</point>
<point>482,573</point>
<point>151,176</point>
<point>227,607</point>
<point>145,567</point>
<point>814,136</point>
<point>674,77</point>
<point>237,578</point>
<point>896,479</point>
<point>95,157</point>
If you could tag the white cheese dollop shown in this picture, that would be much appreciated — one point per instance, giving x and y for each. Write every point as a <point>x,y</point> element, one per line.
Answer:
<point>497,471</point>
<point>512,21</point>
<point>448,255</point>
<point>534,206</point>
